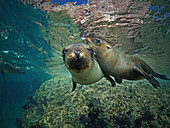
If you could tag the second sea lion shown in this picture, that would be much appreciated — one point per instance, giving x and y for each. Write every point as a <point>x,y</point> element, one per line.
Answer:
<point>79,59</point>
<point>122,66</point>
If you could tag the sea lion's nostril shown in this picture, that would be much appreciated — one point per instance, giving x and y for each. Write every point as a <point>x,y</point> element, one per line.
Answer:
<point>77,52</point>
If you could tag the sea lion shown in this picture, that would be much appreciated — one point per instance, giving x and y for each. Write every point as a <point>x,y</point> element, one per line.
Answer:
<point>8,68</point>
<point>79,59</point>
<point>122,66</point>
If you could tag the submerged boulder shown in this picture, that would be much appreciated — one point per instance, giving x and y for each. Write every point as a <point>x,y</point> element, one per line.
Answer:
<point>131,104</point>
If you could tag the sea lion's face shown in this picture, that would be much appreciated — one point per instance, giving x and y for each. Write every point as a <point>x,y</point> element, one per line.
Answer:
<point>78,57</point>
<point>101,47</point>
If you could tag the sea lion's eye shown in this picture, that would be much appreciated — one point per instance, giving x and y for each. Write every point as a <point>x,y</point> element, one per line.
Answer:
<point>64,52</point>
<point>97,41</point>
<point>108,47</point>
<point>91,51</point>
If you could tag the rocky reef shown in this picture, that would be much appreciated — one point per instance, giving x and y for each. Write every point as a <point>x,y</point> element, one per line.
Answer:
<point>131,104</point>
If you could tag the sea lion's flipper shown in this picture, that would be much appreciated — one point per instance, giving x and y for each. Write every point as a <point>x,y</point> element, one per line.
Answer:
<point>3,74</point>
<point>154,82</point>
<point>74,86</point>
<point>110,79</point>
<point>160,76</point>
<point>118,80</point>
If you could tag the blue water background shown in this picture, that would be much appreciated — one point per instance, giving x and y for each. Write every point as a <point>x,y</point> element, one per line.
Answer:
<point>19,29</point>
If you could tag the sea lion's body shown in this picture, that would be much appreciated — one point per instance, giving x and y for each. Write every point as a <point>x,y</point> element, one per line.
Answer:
<point>79,59</point>
<point>122,66</point>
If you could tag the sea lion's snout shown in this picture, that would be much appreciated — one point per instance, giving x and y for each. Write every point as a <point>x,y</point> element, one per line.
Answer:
<point>77,60</point>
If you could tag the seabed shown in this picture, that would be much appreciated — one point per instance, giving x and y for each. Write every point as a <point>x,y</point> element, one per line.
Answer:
<point>128,105</point>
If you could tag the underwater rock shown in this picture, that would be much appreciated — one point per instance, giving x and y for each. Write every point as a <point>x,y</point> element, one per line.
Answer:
<point>131,104</point>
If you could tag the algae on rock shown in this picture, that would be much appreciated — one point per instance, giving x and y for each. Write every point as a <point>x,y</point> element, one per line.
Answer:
<point>131,104</point>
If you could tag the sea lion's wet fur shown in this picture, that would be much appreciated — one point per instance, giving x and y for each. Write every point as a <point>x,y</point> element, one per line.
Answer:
<point>122,66</point>
<point>79,59</point>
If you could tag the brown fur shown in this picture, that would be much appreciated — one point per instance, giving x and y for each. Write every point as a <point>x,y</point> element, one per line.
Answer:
<point>120,65</point>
